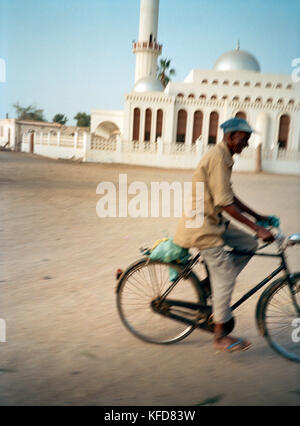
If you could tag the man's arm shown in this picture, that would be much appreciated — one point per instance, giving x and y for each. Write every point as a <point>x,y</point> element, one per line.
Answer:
<point>243,208</point>
<point>235,211</point>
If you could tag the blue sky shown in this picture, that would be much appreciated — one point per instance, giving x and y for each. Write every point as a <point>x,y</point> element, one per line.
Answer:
<point>74,55</point>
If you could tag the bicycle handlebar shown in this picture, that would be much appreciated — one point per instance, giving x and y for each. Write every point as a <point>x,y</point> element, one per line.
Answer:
<point>278,238</point>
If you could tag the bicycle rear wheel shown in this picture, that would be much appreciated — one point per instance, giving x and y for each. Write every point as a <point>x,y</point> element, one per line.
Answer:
<point>141,286</point>
<point>278,318</point>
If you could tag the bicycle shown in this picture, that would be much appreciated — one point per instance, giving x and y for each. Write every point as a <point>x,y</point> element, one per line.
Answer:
<point>159,311</point>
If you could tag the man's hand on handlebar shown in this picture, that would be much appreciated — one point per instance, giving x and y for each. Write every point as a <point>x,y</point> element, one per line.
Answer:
<point>266,221</point>
<point>260,218</point>
<point>259,227</point>
<point>264,234</point>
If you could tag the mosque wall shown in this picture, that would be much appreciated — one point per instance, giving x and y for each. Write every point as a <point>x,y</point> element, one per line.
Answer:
<point>99,117</point>
<point>263,117</point>
<point>91,148</point>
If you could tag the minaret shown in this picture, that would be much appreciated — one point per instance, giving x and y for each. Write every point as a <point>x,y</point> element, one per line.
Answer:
<point>147,49</point>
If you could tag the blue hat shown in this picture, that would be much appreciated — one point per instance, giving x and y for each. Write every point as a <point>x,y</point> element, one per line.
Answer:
<point>236,125</point>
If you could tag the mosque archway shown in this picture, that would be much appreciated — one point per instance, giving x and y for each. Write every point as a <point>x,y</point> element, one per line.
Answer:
<point>107,129</point>
<point>213,127</point>
<point>283,132</point>
<point>136,124</point>
<point>181,125</point>
<point>197,127</point>
<point>148,119</point>
<point>159,123</point>
<point>241,114</point>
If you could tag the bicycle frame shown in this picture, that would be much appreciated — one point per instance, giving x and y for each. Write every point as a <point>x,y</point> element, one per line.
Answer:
<point>283,267</point>
<point>205,308</point>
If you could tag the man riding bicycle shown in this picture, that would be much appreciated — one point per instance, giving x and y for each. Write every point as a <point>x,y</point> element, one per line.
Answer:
<point>214,170</point>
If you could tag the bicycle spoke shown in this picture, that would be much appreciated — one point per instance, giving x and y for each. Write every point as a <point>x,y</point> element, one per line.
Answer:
<point>279,313</point>
<point>143,287</point>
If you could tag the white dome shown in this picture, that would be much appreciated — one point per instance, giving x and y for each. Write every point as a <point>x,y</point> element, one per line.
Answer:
<point>148,84</point>
<point>237,60</point>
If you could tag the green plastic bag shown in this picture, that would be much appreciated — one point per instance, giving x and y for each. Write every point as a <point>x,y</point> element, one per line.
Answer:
<point>272,221</point>
<point>166,251</point>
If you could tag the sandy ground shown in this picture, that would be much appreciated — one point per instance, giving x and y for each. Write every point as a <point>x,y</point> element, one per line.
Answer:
<point>65,342</point>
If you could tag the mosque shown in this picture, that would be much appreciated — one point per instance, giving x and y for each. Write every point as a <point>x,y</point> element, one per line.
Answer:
<point>188,113</point>
<point>174,126</point>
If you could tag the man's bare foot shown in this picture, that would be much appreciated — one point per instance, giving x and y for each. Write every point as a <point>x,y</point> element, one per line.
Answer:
<point>231,344</point>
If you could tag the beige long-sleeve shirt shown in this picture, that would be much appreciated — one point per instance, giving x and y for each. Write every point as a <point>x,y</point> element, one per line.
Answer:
<point>214,170</point>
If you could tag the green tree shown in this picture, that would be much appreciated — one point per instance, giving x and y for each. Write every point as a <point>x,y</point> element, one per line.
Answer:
<point>83,119</point>
<point>60,118</point>
<point>164,72</point>
<point>29,113</point>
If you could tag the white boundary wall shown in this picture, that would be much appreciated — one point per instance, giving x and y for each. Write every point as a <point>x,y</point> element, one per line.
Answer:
<point>96,149</point>
<point>56,145</point>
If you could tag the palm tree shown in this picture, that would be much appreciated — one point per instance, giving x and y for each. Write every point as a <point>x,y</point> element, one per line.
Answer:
<point>60,118</point>
<point>29,113</point>
<point>164,72</point>
<point>83,119</point>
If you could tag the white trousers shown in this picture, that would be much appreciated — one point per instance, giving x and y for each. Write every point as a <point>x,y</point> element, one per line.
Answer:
<point>224,268</point>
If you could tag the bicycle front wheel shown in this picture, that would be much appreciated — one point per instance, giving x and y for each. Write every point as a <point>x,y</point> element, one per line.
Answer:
<point>278,317</point>
<point>138,290</point>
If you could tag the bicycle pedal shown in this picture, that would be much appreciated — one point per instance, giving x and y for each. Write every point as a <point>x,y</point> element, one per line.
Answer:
<point>202,319</point>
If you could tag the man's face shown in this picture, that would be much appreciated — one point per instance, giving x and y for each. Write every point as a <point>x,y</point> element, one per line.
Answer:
<point>238,141</point>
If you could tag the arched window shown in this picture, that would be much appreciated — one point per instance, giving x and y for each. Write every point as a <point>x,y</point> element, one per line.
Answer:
<point>247,84</point>
<point>159,123</point>
<point>180,95</point>
<point>148,118</point>
<point>213,98</point>
<point>191,96</point>
<point>226,82</point>
<point>291,101</point>
<point>202,97</point>
<point>289,86</point>
<point>268,85</point>
<point>269,100</point>
<point>283,134</point>
<point>181,125</point>
<point>236,99</point>
<point>258,84</point>
<point>258,99</point>
<point>279,86</point>
<point>213,127</point>
<point>280,101</point>
<point>241,114</point>
<point>215,82</point>
<point>197,128</point>
<point>136,124</point>
<point>236,83</point>
<point>204,81</point>
<point>247,99</point>
<point>224,97</point>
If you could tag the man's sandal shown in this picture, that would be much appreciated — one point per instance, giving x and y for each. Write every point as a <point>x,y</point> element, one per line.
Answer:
<point>239,345</point>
